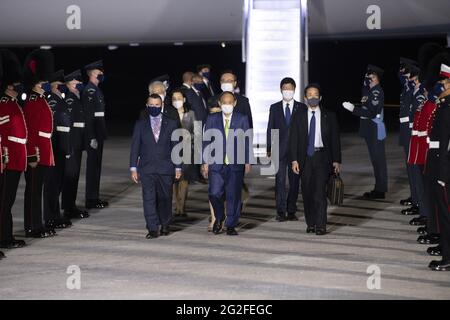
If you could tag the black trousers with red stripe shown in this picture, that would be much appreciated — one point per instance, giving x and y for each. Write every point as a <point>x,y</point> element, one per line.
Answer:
<point>9,182</point>
<point>435,203</point>
<point>34,178</point>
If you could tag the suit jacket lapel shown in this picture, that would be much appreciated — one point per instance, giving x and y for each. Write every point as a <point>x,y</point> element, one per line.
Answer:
<point>150,129</point>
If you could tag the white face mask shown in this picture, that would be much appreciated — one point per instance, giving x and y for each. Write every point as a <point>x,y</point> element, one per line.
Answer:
<point>227,108</point>
<point>226,86</point>
<point>288,95</point>
<point>178,104</point>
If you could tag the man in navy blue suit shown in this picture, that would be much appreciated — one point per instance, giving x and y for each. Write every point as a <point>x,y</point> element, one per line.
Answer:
<point>151,164</point>
<point>226,159</point>
<point>280,117</point>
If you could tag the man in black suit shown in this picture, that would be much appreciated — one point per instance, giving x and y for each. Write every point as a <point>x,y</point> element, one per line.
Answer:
<point>151,163</point>
<point>280,118</point>
<point>194,96</point>
<point>315,152</point>
<point>228,82</point>
<point>204,70</point>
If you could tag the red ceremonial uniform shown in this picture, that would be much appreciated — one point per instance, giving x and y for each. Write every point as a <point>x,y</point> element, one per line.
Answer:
<point>13,131</point>
<point>421,132</point>
<point>39,120</point>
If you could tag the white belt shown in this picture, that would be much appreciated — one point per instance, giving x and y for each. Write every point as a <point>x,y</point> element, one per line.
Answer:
<point>434,144</point>
<point>422,133</point>
<point>45,134</point>
<point>414,132</point>
<point>63,129</point>
<point>78,124</point>
<point>411,125</point>
<point>99,114</point>
<point>404,119</point>
<point>18,140</point>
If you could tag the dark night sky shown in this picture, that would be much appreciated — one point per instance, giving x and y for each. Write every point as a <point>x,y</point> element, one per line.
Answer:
<point>337,65</point>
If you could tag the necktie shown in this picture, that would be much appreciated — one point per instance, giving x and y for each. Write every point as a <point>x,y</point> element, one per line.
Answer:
<point>227,127</point>
<point>288,114</point>
<point>156,127</point>
<point>312,135</point>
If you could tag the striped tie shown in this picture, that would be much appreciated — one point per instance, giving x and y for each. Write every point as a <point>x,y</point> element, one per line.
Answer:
<point>227,127</point>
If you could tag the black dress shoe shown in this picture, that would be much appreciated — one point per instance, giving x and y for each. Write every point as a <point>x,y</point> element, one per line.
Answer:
<point>311,229</point>
<point>13,244</point>
<point>429,239</point>
<point>231,232</point>
<point>440,265</point>
<point>419,221</point>
<point>50,232</point>
<point>217,228</point>
<point>104,203</point>
<point>152,235</point>
<point>374,195</point>
<point>320,232</point>
<point>165,230</point>
<point>422,230</point>
<point>414,210</point>
<point>434,251</point>
<point>2,255</point>
<point>94,204</point>
<point>280,217</point>
<point>35,234</point>
<point>76,214</point>
<point>406,202</point>
<point>292,217</point>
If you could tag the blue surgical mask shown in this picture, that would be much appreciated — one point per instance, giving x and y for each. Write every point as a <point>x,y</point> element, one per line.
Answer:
<point>101,77</point>
<point>313,102</point>
<point>46,87</point>
<point>436,91</point>
<point>62,88</point>
<point>79,87</point>
<point>206,75</point>
<point>154,110</point>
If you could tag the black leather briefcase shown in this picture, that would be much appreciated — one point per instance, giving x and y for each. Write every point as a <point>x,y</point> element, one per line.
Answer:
<point>336,190</point>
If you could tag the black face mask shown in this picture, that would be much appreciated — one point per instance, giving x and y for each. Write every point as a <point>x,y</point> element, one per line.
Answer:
<point>313,102</point>
<point>19,88</point>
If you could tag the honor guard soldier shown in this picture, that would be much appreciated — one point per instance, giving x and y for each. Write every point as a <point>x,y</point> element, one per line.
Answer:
<point>421,207</point>
<point>406,97</point>
<point>432,129</point>
<point>94,110</point>
<point>39,119</point>
<point>74,85</point>
<point>13,133</point>
<point>372,128</point>
<point>441,131</point>
<point>61,151</point>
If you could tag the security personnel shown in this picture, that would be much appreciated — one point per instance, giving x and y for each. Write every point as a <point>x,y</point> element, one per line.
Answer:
<point>406,97</point>
<point>74,85</point>
<point>372,128</point>
<point>13,132</point>
<point>61,151</point>
<point>94,110</point>
<point>39,119</point>
<point>440,144</point>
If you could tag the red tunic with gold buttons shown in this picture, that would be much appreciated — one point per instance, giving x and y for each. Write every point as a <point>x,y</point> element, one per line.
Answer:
<point>421,129</point>
<point>13,131</point>
<point>39,120</point>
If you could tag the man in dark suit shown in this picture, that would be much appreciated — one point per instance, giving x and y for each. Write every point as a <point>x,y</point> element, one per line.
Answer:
<point>228,82</point>
<point>160,86</point>
<point>150,163</point>
<point>204,70</point>
<point>226,169</point>
<point>280,118</point>
<point>315,151</point>
<point>194,96</point>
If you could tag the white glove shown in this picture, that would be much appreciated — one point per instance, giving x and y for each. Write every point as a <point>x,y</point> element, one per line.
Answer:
<point>441,183</point>
<point>67,156</point>
<point>94,144</point>
<point>349,106</point>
